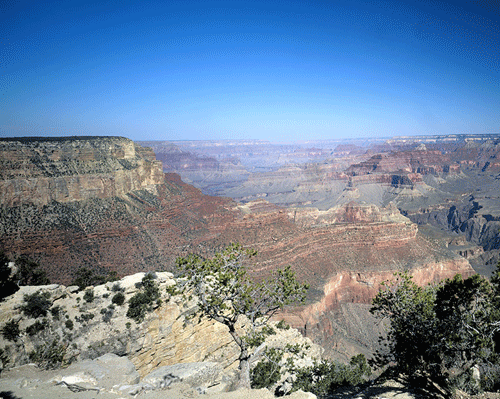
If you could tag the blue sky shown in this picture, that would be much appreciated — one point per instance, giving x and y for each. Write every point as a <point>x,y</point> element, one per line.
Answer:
<point>272,70</point>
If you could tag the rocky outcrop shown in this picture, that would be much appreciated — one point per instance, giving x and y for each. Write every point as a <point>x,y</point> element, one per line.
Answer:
<point>91,328</point>
<point>87,326</point>
<point>40,171</point>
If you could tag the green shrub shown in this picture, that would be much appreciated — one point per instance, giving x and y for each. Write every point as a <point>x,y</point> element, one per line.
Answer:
<point>29,273</point>
<point>116,288</point>
<point>267,372</point>
<point>107,313</point>
<point>49,356</point>
<point>56,312</point>
<point>142,302</point>
<point>36,305</point>
<point>69,324</point>
<point>37,327</point>
<point>118,299</point>
<point>11,330</point>
<point>85,277</point>
<point>85,317</point>
<point>89,295</point>
<point>325,377</point>
<point>282,325</point>
<point>7,283</point>
<point>442,330</point>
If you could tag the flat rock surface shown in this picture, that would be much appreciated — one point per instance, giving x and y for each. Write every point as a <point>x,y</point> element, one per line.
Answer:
<point>29,382</point>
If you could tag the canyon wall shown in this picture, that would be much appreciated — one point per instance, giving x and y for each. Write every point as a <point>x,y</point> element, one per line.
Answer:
<point>105,204</point>
<point>41,171</point>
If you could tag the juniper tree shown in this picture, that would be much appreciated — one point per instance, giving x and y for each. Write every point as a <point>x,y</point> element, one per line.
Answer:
<point>226,293</point>
<point>443,330</point>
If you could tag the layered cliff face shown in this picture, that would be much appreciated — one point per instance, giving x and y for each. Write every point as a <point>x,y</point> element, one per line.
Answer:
<point>38,172</point>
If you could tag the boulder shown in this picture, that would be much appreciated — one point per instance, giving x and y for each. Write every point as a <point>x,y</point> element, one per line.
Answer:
<point>198,374</point>
<point>105,372</point>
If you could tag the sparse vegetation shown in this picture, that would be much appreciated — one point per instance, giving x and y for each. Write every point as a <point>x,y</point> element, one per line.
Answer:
<point>116,288</point>
<point>107,313</point>
<point>49,356</point>
<point>37,327</point>
<point>282,325</point>
<point>85,317</point>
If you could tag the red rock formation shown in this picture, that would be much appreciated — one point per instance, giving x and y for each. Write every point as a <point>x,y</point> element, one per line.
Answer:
<point>410,162</point>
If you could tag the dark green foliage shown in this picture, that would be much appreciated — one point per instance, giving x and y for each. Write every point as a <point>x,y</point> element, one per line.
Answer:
<point>56,312</point>
<point>85,317</point>
<point>11,330</point>
<point>85,277</point>
<point>441,330</point>
<point>257,337</point>
<point>118,299</point>
<point>411,312</point>
<point>69,324</point>
<point>37,327</point>
<point>7,284</point>
<point>29,273</point>
<point>36,305</point>
<point>142,302</point>
<point>111,276</point>
<point>282,325</point>
<point>325,377</point>
<point>322,378</point>
<point>49,356</point>
<point>4,360</point>
<point>89,295</point>
<point>116,288</point>
<point>107,314</point>
<point>267,372</point>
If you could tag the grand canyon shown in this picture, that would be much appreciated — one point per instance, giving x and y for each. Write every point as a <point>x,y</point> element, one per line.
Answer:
<point>345,215</point>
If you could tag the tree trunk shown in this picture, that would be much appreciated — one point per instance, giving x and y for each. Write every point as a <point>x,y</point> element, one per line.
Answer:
<point>244,381</point>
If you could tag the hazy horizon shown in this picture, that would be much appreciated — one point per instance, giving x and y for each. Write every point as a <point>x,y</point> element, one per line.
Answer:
<point>276,71</point>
